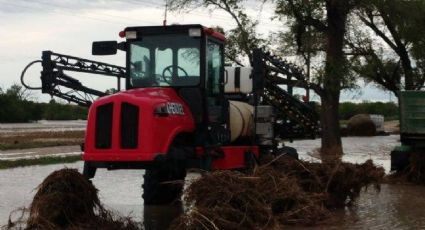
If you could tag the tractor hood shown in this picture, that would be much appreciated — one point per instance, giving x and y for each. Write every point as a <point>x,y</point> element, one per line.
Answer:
<point>135,125</point>
<point>147,96</point>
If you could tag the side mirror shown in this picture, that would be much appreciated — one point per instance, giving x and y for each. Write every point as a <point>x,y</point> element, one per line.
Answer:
<point>104,48</point>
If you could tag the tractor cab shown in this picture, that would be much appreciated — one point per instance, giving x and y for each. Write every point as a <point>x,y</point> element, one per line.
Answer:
<point>175,56</point>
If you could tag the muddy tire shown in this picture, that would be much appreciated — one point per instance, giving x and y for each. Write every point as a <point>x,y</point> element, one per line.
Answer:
<point>157,190</point>
<point>89,171</point>
<point>163,184</point>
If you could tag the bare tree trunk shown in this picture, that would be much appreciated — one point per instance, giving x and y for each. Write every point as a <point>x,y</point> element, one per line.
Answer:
<point>409,80</point>
<point>331,136</point>
<point>334,72</point>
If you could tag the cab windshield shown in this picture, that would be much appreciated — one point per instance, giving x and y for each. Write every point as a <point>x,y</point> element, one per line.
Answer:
<point>165,60</point>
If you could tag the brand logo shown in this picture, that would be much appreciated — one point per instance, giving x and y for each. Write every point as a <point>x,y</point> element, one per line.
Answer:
<point>175,108</point>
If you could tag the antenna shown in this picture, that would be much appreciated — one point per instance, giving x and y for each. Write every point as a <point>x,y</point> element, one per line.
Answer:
<point>165,13</point>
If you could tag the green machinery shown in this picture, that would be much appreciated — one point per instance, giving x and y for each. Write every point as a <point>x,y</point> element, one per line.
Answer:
<point>412,128</point>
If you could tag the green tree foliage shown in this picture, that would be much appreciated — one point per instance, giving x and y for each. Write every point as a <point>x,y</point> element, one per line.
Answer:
<point>57,111</point>
<point>392,52</point>
<point>17,108</point>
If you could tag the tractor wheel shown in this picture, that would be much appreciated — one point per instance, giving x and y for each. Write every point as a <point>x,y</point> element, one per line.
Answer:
<point>88,170</point>
<point>164,183</point>
<point>163,186</point>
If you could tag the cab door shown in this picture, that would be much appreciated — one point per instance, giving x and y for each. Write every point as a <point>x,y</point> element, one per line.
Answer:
<point>217,106</point>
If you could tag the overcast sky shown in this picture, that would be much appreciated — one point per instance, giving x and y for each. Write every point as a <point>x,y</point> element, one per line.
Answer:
<point>28,27</point>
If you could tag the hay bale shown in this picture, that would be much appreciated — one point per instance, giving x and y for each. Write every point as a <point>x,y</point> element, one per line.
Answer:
<point>361,125</point>
<point>282,191</point>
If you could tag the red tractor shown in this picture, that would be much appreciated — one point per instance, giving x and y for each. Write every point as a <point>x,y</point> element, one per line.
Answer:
<point>182,108</point>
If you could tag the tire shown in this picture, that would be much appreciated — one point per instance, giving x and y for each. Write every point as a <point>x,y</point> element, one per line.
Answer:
<point>156,191</point>
<point>88,171</point>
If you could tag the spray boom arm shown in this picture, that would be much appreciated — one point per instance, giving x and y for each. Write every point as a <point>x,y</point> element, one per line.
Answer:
<point>56,83</point>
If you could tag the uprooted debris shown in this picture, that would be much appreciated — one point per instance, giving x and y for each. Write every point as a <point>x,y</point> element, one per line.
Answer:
<point>283,191</point>
<point>67,200</point>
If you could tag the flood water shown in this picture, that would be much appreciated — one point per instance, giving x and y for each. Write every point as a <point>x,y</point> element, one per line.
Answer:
<point>395,207</point>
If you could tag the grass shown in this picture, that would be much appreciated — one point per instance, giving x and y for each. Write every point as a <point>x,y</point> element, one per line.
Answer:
<point>6,164</point>
<point>40,139</point>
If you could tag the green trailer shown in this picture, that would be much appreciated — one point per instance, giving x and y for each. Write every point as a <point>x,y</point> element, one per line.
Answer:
<point>412,128</point>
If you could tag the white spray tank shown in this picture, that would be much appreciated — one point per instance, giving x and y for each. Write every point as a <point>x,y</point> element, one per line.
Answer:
<point>241,119</point>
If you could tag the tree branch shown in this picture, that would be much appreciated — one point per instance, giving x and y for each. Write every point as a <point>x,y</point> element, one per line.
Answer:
<point>233,59</point>
<point>229,10</point>
<point>307,20</point>
<point>370,23</point>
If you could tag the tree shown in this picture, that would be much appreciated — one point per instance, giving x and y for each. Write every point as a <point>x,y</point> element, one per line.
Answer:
<point>18,92</point>
<point>397,60</point>
<point>242,39</point>
<point>328,19</point>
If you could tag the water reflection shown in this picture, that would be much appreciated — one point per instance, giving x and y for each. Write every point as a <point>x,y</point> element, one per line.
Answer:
<point>159,217</point>
<point>395,207</point>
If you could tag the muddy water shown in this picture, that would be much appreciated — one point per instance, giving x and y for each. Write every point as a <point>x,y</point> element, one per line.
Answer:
<point>395,207</point>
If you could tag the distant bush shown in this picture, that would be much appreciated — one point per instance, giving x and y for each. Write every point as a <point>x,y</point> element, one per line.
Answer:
<point>56,111</point>
<point>15,107</point>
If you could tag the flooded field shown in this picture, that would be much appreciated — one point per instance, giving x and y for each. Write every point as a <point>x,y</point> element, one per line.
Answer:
<point>41,134</point>
<point>43,126</point>
<point>356,149</point>
<point>395,207</point>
